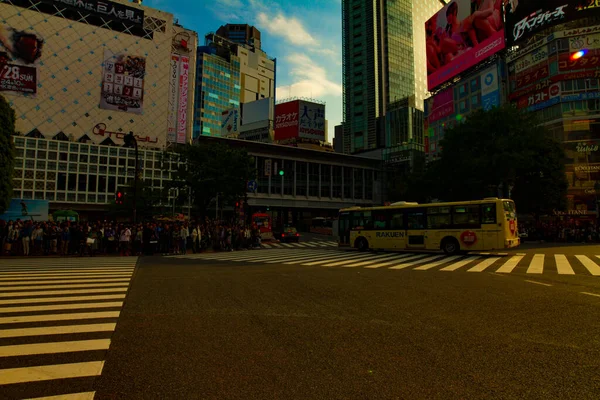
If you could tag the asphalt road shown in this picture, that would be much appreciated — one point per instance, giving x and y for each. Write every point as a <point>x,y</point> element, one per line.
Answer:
<point>193,329</point>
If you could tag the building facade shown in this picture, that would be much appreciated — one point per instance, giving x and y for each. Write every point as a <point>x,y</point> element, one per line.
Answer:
<point>217,89</point>
<point>380,64</point>
<point>241,34</point>
<point>122,68</point>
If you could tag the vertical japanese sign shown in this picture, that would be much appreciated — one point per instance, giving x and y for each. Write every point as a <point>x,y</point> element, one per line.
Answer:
<point>184,67</point>
<point>230,122</point>
<point>286,120</point>
<point>312,121</point>
<point>123,82</point>
<point>173,97</point>
<point>19,55</point>
<point>490,95</point>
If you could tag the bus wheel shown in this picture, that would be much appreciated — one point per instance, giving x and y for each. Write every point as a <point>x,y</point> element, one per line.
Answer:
<point>450,246</point>
<point>361,244</point>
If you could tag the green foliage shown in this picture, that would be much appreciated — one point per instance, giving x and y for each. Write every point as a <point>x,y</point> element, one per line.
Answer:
<point>500,148</point>
<point>214,168</point>
<point>7,153</point>
<point>146,202</point>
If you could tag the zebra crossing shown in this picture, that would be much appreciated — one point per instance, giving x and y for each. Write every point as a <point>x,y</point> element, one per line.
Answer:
<point>505,263</point>
<point>56,319</point>
<point>310,244</point>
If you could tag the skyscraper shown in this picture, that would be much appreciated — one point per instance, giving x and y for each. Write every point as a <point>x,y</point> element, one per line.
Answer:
<point>241,34</point>
<point>383,62</point>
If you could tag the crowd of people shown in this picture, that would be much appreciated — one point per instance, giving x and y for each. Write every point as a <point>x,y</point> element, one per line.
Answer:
<point>560,231</point>
<point>32,238</point>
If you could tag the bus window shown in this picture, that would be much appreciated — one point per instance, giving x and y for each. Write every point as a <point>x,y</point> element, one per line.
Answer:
<point>489,214</point>
<point>438,218</point>
<point>466,217</point>
<point>509,209</point>
<point>397,221</point>
<point>380,220</point>
<point>415,219</point>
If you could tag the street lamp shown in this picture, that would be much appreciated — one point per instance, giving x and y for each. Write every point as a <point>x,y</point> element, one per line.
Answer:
<point>131,141</point>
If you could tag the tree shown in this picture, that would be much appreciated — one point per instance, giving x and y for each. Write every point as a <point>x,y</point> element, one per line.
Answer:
<point>7,153</point>
<point>211,169</point>
<point>503,151</point>
<point>147,201</point>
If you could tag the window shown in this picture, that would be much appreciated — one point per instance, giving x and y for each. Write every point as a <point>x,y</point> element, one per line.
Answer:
<point>397,221</point>
<point>438,218</point>
<point>362,220</point>
<point>462,90</point>
<point>475,100</point>
<point>380,220</point>
<point>488,216</point>
<point>415,220</point>
<point>475,83</point>
<point>466,217</point>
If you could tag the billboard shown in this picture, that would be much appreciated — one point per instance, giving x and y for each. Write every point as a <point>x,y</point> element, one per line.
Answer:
<point>286,120</point>
<point>312,120</point>
<point>173,99</point>
<point>123,82</point>
<point>230,122</point>
<point>541,99</point>
<point>442,105</point>
<point>255,111</point>
<point>490,92</point>
<point>461,35</point>
<point>184,71</point>
<point>26,210</point>
<point>526,17</point>
<point>20,53</point>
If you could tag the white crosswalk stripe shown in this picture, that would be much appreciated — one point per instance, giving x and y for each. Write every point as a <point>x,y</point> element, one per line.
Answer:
<point>476,262</point>
<point>43,300</point>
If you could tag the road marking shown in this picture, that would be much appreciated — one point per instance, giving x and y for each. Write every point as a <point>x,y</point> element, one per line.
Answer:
<point>34,272</point>
<point>538,283</point>
<point>21,277</point>
<point>276,245</point>
<point>8,285</point>
<point>56,330</point>
<point>50,372</point>
<point>300,244</point>
<point>590,265</point>
<point>286,245</point>
<point>462,263</point>
<point>591,294</point>
<point>327,256</point>
<point>62,299</point>
<point>53,292</point>
<point>54,347</point>
<point>480,267</point>
<point>344,257</point>
<point>59,317</point>
<point>562,265</point>
<point>72,396</point>
<point>537,264</point>
<point>266,245</point>
<point>378,258</point>
<point>309,244</point>
<point>337,263</point>
<point>511,264</point>
<point>79,285</point>
<point>435,264</point>
<point>56,307</point>
<point>403,257</point>
<point>420,260</point>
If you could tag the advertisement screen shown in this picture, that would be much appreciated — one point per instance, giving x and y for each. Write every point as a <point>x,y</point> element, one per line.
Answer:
<point>26,210</point>
<point>490,95</point>
<point>20,54</point>
<point>442,105</point>
<point>526,17</point>
<point>461,35</point>
<point>286,120</point>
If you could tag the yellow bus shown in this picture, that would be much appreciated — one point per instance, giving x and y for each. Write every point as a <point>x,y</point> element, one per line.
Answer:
<point>481,225</point>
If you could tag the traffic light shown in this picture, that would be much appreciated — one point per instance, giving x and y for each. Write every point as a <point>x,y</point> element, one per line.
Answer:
<point>281,172</point>
<point>237,204</point>
<point>119,197</point>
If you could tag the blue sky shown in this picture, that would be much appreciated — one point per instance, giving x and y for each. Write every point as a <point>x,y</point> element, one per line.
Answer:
<point>304,36</point>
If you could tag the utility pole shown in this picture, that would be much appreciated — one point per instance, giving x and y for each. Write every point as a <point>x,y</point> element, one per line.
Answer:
<point>131,141</point>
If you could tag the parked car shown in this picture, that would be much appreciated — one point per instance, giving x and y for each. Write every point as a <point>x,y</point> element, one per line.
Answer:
<point>288,234</point>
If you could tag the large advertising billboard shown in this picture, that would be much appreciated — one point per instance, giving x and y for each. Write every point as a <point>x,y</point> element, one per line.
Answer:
<point>286,120</point>
<point>26,210</point>
<point>20,54</point>
<point>123,82</point>
<point>442,105</point>
<point>312,120</point>
<point>184,70</point>
<point>461,35</point>
<point>173,99</point>
<point>526,17</point>
<point>230,122</point>
<point>490,90</point>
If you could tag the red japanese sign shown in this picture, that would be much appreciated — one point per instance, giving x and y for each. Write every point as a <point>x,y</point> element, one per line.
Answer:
<point>286,120</point>
<point>18,78</point>
<point>590,61</point>
<point>539,96</point>
<point>468,238</point>
<point>531,76</point>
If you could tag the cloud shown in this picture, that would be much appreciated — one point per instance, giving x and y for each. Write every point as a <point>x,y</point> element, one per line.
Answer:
<point>289,28</point>
<point>310,79</point>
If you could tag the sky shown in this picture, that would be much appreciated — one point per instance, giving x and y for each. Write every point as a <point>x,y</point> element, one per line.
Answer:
<point>305,37</point>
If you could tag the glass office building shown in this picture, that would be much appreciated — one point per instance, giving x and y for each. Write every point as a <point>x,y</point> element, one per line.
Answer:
<point>217,89</point>
<point>380,64</point>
